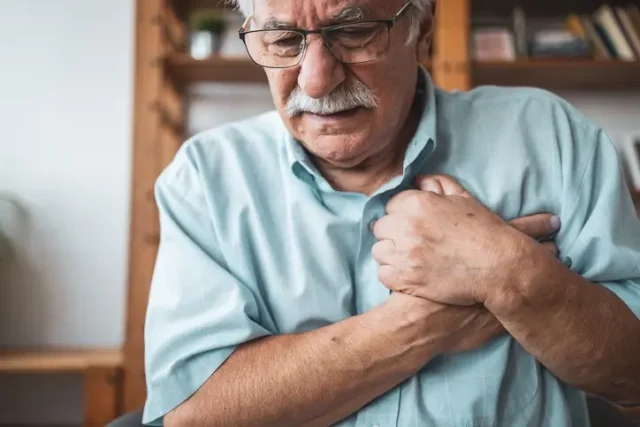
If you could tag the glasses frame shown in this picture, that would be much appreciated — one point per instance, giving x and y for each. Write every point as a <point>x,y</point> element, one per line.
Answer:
<point>390,23</point>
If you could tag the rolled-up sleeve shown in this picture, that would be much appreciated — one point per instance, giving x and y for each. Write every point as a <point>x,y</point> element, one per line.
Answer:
<point>198,313</point>
<point>600,239</point>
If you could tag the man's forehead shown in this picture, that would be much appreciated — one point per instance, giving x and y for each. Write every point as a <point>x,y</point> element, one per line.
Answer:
<point>315,13</point>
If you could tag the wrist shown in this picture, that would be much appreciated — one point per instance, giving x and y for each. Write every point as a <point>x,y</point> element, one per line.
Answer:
<point>524,261</point>
<point>405,318</point>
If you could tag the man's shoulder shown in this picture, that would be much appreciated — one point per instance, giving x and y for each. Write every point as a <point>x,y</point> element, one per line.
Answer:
<point>236,146</point>
<point>526,105</point>
<point>257,132</point>
<point>533,119</point>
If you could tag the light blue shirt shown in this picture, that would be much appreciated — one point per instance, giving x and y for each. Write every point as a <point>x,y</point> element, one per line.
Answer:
<point>255,242</point>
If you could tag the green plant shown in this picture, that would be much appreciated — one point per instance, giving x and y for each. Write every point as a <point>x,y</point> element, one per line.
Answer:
<point>208,21</point>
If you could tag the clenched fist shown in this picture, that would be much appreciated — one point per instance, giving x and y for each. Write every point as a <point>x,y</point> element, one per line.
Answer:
<point>442,244</point>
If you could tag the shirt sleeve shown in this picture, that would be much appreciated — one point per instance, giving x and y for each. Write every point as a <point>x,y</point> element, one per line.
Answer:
<point>198,313</point>
<point>600,237</point>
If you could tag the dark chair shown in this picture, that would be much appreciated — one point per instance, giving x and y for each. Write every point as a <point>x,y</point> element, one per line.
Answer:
<point>601,413</point>
<point>133,419</point>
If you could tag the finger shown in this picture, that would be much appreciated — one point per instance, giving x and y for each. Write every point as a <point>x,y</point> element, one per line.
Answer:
<point>390,277</point>
<point>430,183</point>
<point>390,226</point>
<point>537,226</point>
<point>551,247</point>
<point>410,201</point>
<point>443,184</point>
<point>384,252</point>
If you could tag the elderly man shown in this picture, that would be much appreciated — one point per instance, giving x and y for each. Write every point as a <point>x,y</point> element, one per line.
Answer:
<point>377,251</point>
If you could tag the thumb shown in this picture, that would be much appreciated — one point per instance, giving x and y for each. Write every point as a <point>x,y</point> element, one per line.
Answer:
<point>441,184</point>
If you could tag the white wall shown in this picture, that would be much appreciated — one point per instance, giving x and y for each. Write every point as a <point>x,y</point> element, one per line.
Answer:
<point>66,76</point>
<point>617,112</point>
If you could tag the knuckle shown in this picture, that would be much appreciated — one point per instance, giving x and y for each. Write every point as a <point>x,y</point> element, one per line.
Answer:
<point>420,198</point>
<point>414,254</point>
<point>414,225</point>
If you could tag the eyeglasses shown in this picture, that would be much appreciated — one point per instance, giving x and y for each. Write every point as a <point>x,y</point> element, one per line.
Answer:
<point>353,43</point>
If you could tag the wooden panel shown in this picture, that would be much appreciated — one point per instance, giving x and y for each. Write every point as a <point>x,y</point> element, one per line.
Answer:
<point>60,361</point>
<point>102,395</point>
<point>451,45</point>
<point>559,74</point>
<point>171,132</point>
<point>175,30</point>
<point>144,216</point>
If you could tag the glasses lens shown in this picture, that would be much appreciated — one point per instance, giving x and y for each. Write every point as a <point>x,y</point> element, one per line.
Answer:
<point>275,48</point>
<point>360,42</point>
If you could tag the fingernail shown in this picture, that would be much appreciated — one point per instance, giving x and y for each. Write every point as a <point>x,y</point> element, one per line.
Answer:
<point>555,223</point>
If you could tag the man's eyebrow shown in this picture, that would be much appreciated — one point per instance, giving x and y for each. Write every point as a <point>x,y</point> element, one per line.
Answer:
<point>274,24</point>
<point>349,14</point>
<point>345,16</point>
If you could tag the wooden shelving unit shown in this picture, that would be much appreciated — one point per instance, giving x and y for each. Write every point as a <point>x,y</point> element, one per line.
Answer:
<point>164,70</point>
<point>101,370</point>
<point>559,74</point>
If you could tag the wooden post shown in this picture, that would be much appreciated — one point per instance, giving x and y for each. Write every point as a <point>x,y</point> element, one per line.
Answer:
<point>102,395</point>
<point>451,64</point>
<point>144,227</point>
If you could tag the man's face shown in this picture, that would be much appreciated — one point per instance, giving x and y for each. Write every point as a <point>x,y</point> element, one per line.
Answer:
<point>377,95</point>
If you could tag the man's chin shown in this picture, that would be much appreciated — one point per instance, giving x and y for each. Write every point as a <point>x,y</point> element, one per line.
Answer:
<point>341,150</point>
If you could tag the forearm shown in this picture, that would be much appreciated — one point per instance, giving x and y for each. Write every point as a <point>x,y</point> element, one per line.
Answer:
<point>580,331</point>
<point>314,378</point>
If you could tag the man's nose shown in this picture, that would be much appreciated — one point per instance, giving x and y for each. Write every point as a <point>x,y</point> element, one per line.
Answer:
<point>320,71</point>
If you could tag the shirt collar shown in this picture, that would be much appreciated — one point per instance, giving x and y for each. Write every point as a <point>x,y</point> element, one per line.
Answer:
<point>422,144</point>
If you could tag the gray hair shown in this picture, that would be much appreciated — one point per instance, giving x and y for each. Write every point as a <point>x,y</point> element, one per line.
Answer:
<point>421,10</point>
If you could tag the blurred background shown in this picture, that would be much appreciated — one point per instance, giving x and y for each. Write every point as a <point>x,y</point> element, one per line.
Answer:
<point>95,98</point>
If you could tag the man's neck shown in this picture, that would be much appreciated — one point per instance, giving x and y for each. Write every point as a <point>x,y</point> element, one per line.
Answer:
<point>380,168</point>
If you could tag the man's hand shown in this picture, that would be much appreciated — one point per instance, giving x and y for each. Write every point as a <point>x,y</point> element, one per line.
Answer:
<point>442,244</point>
<point>449,328</point>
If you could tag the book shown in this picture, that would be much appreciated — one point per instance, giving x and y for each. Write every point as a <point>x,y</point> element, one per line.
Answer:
<point>559,43</point>
<point>598,46</point>
<point>493,44</point>
<point>634,14</point>
<point>520,32</point>
<point>606,19</point>
<point>631,33</point>
<point>575,25</point>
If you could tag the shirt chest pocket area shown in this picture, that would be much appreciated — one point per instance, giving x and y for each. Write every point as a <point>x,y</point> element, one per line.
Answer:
<point>482,388</point>
<point>309,296</point>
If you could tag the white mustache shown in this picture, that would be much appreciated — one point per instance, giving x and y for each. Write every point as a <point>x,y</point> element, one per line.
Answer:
<point>343,98</point>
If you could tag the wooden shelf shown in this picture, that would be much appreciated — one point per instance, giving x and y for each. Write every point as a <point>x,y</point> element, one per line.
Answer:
<point>184,7</point>
<point>559,74</point>
<point>186,70</point>
<point>54,361</point>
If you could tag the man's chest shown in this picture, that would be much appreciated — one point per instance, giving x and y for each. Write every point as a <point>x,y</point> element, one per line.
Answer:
<point>307,254</point>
